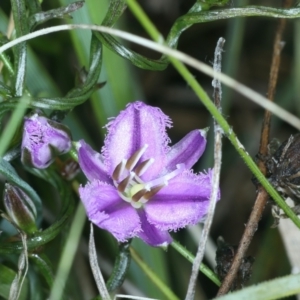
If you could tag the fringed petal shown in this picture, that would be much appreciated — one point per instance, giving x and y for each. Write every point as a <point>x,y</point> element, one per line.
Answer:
<point>108,211</point>
<point>136,126</point>
<point>184,201</point>
<point>91,163</point>
<point>188,150</point>
<point>151,235</point>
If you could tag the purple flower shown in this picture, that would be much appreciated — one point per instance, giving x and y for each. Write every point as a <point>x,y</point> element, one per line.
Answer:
<point>43,139</point>
<point>139,186</point>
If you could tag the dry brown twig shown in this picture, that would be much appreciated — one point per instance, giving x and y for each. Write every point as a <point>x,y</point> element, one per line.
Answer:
<point>262,196</point>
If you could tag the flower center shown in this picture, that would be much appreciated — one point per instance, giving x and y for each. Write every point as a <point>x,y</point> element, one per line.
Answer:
<point>130,186</point>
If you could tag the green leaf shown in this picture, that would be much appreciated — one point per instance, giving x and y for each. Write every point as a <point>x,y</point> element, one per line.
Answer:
<point>62,12</point>
<point>13,124</point>
<point>274,289</point>
<point>20,52</point>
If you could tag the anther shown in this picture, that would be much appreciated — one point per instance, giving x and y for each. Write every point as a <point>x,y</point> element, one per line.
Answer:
<point>153,191</point>
<point>124,183</point>
<point>119,169</point>
<point>143,166</point>
<point>137,196</point>
<point>132,161</point>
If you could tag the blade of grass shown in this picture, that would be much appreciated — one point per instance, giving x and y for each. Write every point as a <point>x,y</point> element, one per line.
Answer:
<point>153,277</point>
<point>13,124</point>
<point>68,253</point>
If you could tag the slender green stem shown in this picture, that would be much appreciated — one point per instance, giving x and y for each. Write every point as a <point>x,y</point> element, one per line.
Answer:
<point>190,257</point>
<point>7,63</point>
<point>68,253</point>
<point>73,152</point>
<point>44,266</point>
<point>162,287</point>
<point>13,125</point>
<point>148,25</point>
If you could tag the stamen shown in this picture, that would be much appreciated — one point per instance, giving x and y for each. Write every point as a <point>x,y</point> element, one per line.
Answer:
<point>124,183</point>
<point>153,191</point>
<point>143,166</point>
<point>132,161</point>
<point>132,188</point>
<point>164,179</point>
<point>119,169</point>
<point>137,196</point>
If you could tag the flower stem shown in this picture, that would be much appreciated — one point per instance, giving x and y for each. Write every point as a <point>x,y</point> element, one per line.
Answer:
<point>203,268</point>
<point>68,253</point>
<point>157,281</point>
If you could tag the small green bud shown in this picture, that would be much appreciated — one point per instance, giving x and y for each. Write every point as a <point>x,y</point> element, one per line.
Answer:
<point>20,208</point>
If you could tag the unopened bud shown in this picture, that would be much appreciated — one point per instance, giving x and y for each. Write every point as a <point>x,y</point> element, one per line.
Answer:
<point>20,208</point>
<point>43,139</point>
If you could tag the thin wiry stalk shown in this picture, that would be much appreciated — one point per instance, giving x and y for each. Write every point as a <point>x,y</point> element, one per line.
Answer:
<point>16,286</point>
<point>68,254</point>
<point>216,175</point>
<point>95,267</point>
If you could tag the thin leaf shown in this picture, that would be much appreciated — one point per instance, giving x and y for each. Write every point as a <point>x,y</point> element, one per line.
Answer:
<point>62,12</point>
<point>13,124</point>
<point>68,254</point>
<point>20,53</point>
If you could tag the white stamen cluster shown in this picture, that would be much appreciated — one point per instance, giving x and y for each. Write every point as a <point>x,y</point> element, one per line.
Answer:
<point>130,186</point>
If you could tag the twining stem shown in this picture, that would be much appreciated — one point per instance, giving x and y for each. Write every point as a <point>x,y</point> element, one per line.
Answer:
<point>262,195</point>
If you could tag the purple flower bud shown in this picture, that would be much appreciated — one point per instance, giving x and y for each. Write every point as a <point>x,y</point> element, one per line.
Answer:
<point>43,139</point>
<point>20,208</point>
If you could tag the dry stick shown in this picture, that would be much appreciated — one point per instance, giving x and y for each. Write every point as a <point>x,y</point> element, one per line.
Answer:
<point>95,267</point>
<point>262,196</point>
<point>216,175</point>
